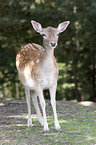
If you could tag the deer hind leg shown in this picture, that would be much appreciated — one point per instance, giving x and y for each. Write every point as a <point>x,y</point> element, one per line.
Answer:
<point>35,103</point>
<point>42,103</point>
<point>27,92</point>
<point>53,103</point>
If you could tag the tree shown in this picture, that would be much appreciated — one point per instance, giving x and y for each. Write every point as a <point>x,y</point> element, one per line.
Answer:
<point>75,52</point>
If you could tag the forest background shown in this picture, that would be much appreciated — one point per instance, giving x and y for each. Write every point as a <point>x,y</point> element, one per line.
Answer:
<point>76,51</point>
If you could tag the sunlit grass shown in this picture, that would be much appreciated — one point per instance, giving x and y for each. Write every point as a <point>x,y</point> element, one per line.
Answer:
<point>78,124</point>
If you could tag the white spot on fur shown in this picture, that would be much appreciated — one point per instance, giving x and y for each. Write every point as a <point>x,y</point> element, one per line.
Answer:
<point>22,49</point>
<point>37,61</point>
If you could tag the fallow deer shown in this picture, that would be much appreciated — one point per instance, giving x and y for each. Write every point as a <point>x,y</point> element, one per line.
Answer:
<point>38,70</point>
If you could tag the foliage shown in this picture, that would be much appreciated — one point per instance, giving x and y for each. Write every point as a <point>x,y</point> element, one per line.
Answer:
<point>76,46</point>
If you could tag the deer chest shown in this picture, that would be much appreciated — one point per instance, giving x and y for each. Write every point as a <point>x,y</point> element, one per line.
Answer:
<point>47,77</point>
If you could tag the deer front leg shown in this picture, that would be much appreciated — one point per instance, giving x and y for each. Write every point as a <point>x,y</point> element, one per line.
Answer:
<point>27,92</point>
<point>53,103</point>
<point>42,102</point>
<point>35,103</point>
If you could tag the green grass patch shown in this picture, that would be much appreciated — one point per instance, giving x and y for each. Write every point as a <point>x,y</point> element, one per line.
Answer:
<point>78,124</point>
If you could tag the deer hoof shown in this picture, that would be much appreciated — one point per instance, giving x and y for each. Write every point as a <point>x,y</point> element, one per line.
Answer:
<point>58,130</point>
<point>46,131</point>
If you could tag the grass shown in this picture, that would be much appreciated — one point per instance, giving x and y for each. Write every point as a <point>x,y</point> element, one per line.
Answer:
<point>78,124</point>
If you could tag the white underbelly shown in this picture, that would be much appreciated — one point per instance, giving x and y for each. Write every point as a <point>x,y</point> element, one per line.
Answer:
<point>43,83</point>
<point>46,83</point>
<point>44,80</point>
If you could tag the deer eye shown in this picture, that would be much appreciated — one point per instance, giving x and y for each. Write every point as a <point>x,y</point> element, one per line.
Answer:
<point>43,34</point>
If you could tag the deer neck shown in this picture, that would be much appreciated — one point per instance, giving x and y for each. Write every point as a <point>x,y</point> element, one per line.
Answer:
<point>48,58</point>
<point>49,53</point>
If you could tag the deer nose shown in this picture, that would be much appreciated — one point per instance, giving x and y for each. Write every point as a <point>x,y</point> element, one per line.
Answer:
<point>53,44</point>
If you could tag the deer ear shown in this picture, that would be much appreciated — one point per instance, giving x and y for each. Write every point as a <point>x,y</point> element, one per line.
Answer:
<point>62,26</point>
<point>37,26</point>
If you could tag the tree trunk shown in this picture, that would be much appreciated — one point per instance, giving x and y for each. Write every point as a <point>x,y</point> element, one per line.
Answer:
<point>17,90</point>
<point>74,64</point>
<point>13,91</point>
<point>75,75</point>
<point>93,97</point>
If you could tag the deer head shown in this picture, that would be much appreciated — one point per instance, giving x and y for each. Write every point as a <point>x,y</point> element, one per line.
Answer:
<point>50,34</point>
